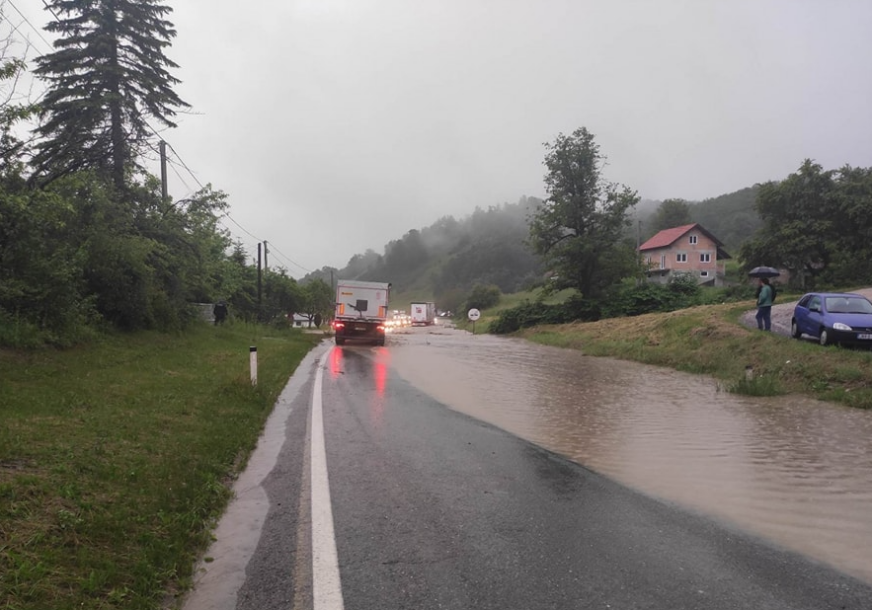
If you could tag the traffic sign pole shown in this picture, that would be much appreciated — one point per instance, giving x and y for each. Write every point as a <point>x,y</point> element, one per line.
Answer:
<point>473,315</point>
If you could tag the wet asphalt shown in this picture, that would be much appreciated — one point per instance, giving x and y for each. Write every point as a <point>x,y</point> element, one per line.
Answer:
<point>433,509</point>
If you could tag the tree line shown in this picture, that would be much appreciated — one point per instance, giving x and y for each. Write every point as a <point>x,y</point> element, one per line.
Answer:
<point>87,239</point>
<point>731,217</point>
<point>815,224</point>
<point>451,257</point>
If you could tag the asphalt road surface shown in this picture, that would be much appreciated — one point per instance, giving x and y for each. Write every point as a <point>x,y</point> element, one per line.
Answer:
<point>365,493</point>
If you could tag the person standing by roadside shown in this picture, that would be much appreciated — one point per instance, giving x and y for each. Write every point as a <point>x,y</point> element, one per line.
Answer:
<point>220,312</point>
<point>764,305</point>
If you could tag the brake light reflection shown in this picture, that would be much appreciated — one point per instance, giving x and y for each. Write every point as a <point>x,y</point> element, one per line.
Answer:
<point>381,375</point>
<point>335,363</point>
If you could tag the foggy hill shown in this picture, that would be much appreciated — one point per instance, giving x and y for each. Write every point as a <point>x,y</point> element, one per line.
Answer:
<point>489,247</point>
<point>732,217</point>
<point>486,247</point>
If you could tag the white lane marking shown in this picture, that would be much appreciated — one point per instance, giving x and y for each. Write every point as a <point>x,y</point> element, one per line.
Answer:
<point>326,584</point>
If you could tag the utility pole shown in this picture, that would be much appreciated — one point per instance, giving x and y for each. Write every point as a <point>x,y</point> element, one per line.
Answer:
<point>259,281</point>
<point>163,169</point>
<point>265,253</point>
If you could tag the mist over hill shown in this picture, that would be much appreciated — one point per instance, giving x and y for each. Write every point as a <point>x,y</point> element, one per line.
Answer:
<point>732,217</point>
<point>489,246</point>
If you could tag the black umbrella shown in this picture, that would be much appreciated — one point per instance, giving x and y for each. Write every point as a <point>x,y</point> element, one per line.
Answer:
<point>764,272</point>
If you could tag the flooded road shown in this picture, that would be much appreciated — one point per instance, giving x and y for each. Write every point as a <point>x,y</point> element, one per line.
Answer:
<point>793,470</point>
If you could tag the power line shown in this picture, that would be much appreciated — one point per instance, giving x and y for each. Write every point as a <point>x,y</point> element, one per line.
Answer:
<point>174,151</point>
<point>23,16</point>
<point>179,176</point>
<point>244,230</point>
<point>287,259</point>
<point>185,165</point>
<point>51,10</point>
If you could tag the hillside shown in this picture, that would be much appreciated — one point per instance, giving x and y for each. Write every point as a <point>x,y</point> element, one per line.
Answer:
<point>731,217</point>
<point>444,261</point>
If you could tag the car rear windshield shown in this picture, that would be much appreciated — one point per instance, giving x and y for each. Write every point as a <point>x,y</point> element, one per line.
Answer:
<point>848,305</point>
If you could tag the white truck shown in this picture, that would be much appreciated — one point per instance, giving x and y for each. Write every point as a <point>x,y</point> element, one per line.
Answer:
<point>423,314</point>
<point>361,311</point>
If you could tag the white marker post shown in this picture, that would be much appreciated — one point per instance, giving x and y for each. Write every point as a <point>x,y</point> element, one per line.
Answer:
<point>473,315</point>
<point>252,354</point>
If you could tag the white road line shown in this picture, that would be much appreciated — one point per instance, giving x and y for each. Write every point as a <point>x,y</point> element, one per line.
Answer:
<point>326,584</point>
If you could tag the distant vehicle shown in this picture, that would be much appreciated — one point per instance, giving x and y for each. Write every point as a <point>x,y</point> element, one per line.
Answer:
<point>833,317</point>
<point>423,314</point>
<point>361,311</point>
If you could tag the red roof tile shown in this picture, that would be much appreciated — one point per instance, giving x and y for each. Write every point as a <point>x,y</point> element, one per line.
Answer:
<point>666,237</point>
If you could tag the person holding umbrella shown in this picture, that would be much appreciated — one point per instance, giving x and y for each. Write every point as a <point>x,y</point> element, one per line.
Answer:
<point>764,304</point>
<point>765,295</point>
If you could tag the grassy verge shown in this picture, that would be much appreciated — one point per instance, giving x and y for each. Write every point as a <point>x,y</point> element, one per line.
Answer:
<point>710,340</point>
<point>115,459</point>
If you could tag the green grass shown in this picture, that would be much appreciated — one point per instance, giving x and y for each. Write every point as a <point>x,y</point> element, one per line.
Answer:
<point>116,457</point>
<point>710,340</point>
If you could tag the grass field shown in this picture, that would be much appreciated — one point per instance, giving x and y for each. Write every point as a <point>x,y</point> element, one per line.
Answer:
<point>114,459</point>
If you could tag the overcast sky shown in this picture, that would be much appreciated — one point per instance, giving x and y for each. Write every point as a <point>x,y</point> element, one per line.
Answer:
<point>338,125</point>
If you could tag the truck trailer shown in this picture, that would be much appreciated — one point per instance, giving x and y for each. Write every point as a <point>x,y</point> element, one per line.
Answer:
<point>361,311</point>
<point>423,314</point>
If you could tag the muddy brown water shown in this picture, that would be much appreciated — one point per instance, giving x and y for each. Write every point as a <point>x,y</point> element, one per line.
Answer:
<point>791,469</point>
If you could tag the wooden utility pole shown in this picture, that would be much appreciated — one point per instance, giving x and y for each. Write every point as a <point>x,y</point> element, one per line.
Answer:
<point>265,253</point>
<point>259,279</point>
<point>163,169</point>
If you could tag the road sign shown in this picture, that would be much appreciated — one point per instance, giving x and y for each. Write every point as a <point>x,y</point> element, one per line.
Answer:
<point>473,314</point>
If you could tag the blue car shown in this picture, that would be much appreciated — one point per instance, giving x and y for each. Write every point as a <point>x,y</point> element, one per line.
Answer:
<point>833,317</point>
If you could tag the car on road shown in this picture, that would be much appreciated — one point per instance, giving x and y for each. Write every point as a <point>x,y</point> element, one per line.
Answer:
<point>833,317</point>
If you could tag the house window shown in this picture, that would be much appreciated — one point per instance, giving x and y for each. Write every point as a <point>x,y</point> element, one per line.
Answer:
<point>681,258</point>
<point>663,261</point>
<point>705,258</point>
<point>703,274</point>
<point>693,240</point>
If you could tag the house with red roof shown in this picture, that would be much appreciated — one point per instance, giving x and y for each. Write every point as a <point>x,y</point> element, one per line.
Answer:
<point>688,249</point>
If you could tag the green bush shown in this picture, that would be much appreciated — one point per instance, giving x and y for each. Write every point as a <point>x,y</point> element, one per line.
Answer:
<point>483,297</point>
<point>532,314</point>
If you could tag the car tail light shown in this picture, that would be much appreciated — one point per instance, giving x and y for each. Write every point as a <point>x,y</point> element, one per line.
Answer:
<point>338,325</point>
<point>381,328</point>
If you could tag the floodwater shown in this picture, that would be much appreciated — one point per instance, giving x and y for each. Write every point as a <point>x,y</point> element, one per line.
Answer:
<point>793,470</point>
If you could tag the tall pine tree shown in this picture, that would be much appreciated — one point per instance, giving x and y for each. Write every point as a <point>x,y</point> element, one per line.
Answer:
<point>107,77</point>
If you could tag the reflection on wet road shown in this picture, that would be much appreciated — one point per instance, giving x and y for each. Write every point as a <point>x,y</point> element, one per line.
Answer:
<point>794,470</point>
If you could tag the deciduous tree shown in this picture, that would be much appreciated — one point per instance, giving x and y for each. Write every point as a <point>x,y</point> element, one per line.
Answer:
<point>798,224</point>
<point>671,213</point>
<point>318,298</point>
<point>578,229</point>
